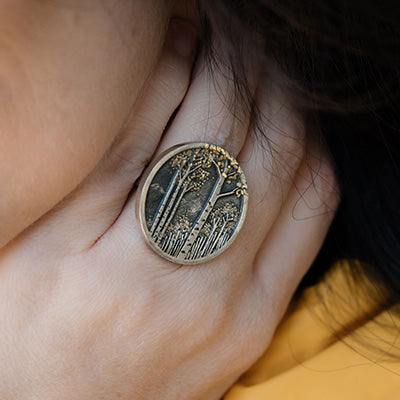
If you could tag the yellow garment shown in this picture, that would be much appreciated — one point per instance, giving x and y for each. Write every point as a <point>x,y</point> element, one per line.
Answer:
<point>306,359</point>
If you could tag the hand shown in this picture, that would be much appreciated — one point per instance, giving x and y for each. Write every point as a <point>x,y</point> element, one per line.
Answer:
<point>89,311</point>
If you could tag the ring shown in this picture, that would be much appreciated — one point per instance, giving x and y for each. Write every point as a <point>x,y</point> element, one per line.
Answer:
<point>192,203</point>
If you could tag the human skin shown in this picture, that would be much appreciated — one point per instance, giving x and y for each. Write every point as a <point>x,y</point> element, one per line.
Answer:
<point>87,309</point>
<point>70,73</point>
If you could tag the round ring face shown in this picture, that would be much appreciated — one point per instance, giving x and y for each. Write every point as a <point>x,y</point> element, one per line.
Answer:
<point>193,203</point>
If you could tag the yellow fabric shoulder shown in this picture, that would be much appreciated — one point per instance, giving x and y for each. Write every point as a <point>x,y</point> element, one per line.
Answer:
<point>331,345</point>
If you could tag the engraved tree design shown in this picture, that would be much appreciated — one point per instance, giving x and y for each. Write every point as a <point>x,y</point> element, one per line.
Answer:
<point>227,168</point>
<point>177,235</point>
<point>215,233</point>
<point>190,173</point>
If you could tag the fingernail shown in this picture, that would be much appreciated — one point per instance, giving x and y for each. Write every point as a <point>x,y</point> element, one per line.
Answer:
<point>184,38</point>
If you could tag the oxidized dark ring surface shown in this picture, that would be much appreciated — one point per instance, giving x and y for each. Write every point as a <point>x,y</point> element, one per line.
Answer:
<point>193,203</point>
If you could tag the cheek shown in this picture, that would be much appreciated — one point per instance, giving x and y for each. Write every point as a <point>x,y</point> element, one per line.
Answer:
<point>68,79</point>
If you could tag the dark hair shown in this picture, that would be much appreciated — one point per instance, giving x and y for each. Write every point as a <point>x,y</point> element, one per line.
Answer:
<point>342,60</point>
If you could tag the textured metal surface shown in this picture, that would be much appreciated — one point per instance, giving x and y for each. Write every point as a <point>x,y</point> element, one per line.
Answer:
<point>193,203</point>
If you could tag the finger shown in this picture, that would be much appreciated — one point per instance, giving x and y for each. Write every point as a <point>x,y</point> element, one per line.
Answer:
<point>211,112</point>
<point>270,159</point>
<point>298,233</point>
<point>266,184</point>
<point>134,148</point>
<point>208,114</point>
<point>87,212</point>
